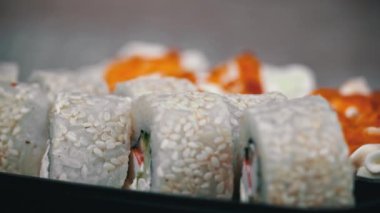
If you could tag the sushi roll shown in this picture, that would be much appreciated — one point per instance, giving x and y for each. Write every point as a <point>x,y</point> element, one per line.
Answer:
<point>143,59</point>
<point>239,75</point>
<point>294,80</point>
<point>187,144</point>
<point>366,160</point>
<point>296,155</point>
<point>355,86</point>
<point>87,80</point>
<point>142,49</point>
<point>191,59</point>
<point>237,104</point>
<point>358,109</point>
<point>153,84</point>
<point>23,128</point>
<point>8,72</point>
<point>371,167</point>
<point>89,139</point>
<point>245,74</point>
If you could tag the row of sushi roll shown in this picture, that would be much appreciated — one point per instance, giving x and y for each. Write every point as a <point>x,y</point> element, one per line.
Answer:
<point>155,119</point>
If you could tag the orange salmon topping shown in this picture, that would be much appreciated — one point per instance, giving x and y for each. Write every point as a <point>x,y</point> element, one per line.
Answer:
<point>136,66</point>
<point>245,80</point>
<point>359,116</point>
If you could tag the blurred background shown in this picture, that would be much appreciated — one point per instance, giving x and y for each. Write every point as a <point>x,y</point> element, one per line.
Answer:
<point>338,39</point>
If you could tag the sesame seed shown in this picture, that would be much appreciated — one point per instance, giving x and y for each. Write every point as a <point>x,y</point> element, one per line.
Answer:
<point>207,176</point>
<point>175,156</point>
<point>109,166</point>
<point>63,129</point>
<point>202,122</point>
<point>177,129</point>
<point>123,159</point>
<point>164,144</point>
<point>86,124</point>
<point>209,106</point>
<point>110,146</point>
<point>24,110</point>
<point>215,162</point>
<point>115,161</point>
<point>187,171</point>
<point>220,187</point>
<point>221,147</point>
<point>100,144</point>
<point>122,119</point>
<point>193,145</point>
<point>182,120</point>
<point>104,136</point>
<point>16,130</point>
<point>107,116</point>
<point>73,121</point>
<point>187,127</point>
<point>189,133</point>
<point>71,136</point>
<point>165,129</point>
<point>194,166</point>
<point>160,173</point>
<point>84,171</point>
<point>208,150</point>
<point>91,130</point>
<point>14,152</point>
<point>192,154</point>
<point>205,185</point>
<point>170,176</point>
<point>175,137</point>
<point>63,176</point>
<point>171,145</point>
<point>5,130</point>
<point>186,153</point>
<point>218,120</point>
<point>183,141</point>
<point>201,157</point>
<point>3,137</point>
<point>98,152</point>
<point>234,122</point>
<point>176,169</point>
<point>223,157</point>
<point>218,139</point>
<point>18,116</point>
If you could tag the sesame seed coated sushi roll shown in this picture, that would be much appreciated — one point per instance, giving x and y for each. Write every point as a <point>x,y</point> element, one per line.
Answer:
<point>89,139</point>
<point>23,128</point>
<point>237,104</point>
<point>153,84</point>
<point>293,80</point>
<point>296,155</point>
<point>189,138</point>
<point>88,80</point>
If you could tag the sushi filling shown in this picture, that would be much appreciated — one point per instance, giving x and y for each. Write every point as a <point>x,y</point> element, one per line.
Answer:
<point>142,162</point>
<point>251,174</point>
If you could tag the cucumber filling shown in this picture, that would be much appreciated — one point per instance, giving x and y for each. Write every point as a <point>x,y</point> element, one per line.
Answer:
<point>250,188</point>
<point>142,158</point>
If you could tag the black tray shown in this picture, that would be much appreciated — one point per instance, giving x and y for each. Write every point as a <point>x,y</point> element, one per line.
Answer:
<point>37,194</point>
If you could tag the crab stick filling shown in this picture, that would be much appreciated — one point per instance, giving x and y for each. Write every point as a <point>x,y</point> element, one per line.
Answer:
<point>241,75</point>
<point>136,66</point>
<point>359,116</point>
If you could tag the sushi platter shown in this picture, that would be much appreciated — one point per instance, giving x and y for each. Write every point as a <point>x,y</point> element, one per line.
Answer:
<point>157,128</point>
<point>44,194</point>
